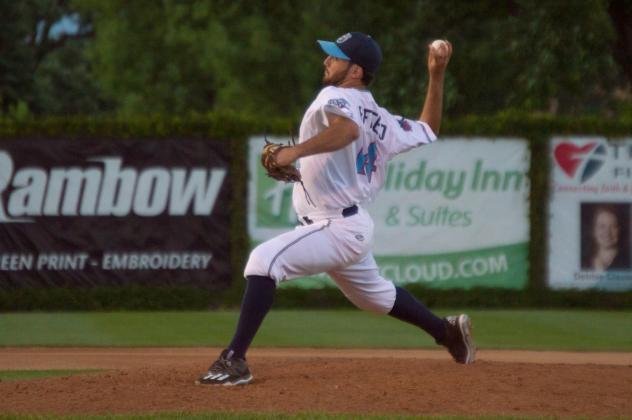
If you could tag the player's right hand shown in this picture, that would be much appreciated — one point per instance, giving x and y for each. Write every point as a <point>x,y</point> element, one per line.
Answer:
<point>438,58</point>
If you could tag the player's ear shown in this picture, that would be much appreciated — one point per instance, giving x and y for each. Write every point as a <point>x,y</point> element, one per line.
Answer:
<point>357,71</point>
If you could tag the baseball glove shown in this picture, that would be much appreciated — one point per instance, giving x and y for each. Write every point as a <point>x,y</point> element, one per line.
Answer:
<point>286,173</point>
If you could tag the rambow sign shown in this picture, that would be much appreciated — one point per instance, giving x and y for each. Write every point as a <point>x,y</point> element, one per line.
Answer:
<point>114,212</point>
<point>105,188</point>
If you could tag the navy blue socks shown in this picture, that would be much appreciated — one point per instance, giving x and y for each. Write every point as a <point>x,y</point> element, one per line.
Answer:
<point>256,303</point>
<point>259,296</point>
<point>409,309</point>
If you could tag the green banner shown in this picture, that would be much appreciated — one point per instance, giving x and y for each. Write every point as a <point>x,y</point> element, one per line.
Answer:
<point>502,266</point>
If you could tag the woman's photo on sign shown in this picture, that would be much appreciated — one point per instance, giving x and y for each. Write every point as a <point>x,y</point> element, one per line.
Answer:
<point>605,236</point>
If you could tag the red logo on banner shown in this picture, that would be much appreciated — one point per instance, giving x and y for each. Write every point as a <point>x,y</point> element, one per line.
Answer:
<point>569,157</point>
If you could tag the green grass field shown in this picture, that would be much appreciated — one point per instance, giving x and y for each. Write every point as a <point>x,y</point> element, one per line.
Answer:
<point>499,329</point>
<point>21,375</point>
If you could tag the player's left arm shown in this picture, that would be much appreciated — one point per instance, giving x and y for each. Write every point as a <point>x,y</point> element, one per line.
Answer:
<point>341,132</point>
<point>438,59</point>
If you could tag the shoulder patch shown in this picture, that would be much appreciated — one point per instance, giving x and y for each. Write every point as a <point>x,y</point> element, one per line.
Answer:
<point>405,124</point>
<point>341,103</point>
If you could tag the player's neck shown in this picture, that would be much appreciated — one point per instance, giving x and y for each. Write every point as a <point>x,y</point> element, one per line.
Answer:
<point>352,84</point>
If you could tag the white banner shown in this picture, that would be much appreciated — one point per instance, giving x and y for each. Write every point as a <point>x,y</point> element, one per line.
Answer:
<point>451,214</point>
<point>452,196</point>
<point>589,213</point>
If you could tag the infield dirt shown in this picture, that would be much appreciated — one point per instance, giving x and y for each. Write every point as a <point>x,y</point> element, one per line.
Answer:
<point>323,380</point>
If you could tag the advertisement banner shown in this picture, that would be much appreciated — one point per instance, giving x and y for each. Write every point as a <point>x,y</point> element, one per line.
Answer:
<point>453,214</point>
<point>93,212</point>
<point>589,214</point>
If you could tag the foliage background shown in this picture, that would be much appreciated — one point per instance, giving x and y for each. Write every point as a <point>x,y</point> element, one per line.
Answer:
<point>235,129</point>
<point>179,56</point>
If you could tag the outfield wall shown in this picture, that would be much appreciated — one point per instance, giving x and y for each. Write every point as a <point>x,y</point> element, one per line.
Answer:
<point>482,142</point>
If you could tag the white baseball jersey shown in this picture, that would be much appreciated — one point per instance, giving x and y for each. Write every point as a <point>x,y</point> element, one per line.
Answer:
<point>329,241</point>
<point>355,173</point>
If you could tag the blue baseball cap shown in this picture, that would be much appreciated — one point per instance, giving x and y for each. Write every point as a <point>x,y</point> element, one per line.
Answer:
<point>356,47</point>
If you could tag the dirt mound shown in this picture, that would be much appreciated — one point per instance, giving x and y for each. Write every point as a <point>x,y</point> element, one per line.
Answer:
<point>349,381</point>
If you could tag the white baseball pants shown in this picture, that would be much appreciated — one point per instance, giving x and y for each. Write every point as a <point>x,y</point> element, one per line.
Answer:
<point>333,244</point>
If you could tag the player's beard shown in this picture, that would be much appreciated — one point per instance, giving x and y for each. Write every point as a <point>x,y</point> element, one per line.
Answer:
<point>335,79</point>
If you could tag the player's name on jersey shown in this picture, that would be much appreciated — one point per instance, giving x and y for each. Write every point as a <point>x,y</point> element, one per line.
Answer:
<point>452,183</point>
<point>64,261</point>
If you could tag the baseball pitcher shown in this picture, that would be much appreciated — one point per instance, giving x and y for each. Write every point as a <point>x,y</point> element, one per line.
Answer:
<point>345,142</point>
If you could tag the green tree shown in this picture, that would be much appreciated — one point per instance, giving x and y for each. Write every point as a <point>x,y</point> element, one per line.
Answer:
<point>64,84</point>
<point>15,55</point>
<point>621,14</point>
<point>37,63</point>
<point>524,54</point>
<point>179,56</point>
<point>261,57</point>
<point>151,56</point>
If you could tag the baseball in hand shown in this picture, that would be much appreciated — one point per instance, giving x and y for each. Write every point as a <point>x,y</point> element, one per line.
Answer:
<point>439,45</point>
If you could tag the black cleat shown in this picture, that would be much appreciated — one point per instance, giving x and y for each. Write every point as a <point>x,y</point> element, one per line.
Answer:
<point>458,339</point>
<point>227,371</point>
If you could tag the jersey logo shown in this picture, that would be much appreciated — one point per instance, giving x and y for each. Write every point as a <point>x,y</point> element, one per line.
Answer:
<point>341,104</point>
<point>365,162</point>
<point>405,124</point>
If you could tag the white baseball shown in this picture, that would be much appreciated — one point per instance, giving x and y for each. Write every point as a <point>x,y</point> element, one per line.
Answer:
<point>439,44</point>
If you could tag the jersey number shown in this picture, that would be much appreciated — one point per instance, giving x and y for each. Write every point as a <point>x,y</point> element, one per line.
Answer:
<point>365,162</point>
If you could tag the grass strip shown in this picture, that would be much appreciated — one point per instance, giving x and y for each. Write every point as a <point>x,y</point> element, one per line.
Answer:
<point>20,375</point>
<point>572,330</point>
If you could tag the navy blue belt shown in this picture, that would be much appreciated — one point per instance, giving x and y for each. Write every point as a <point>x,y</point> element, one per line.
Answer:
<point>349,211</point>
